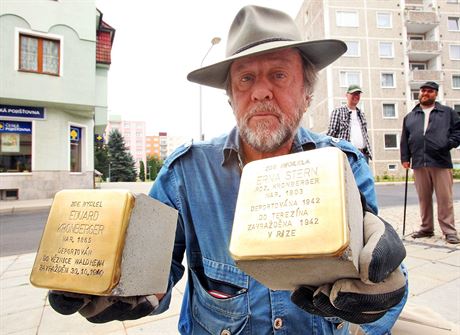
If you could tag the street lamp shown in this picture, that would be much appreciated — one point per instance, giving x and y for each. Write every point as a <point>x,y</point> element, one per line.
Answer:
<point>214,41</point>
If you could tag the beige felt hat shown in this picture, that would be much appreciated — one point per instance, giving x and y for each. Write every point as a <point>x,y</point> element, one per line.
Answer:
<point>257,30</point>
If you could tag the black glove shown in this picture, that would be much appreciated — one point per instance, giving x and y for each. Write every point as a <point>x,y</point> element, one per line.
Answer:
<point>381,285</point>
<point>100,309</point>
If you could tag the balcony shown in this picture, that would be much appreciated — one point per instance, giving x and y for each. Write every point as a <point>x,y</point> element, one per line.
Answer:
<point>420,22</point>
<point>422,51</point>
<point>418,77</point>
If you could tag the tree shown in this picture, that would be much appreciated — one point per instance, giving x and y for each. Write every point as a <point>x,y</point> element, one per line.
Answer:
<point>141,171</point>
<point>101,159</point>
<point>154,165</point>
<point>122,164</point>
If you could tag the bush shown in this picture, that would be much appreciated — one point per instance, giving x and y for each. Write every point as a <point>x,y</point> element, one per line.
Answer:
<point>456,173</point>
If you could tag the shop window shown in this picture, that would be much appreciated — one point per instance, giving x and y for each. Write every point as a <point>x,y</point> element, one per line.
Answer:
<point>38,54</point>
<point>75,149</point>
<point>15,146</point>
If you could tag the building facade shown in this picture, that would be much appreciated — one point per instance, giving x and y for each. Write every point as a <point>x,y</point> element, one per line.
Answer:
<point>393,47</point>
<point>53,95</point>
<point>162,145</point>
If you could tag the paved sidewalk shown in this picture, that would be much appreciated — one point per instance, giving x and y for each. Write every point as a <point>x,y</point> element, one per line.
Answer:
<point>434,274</point>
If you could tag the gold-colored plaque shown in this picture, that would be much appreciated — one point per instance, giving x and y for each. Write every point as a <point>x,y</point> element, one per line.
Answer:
<point>82,243</point>
<point>294,213</point>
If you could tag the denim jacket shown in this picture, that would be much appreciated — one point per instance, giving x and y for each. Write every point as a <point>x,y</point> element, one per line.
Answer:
<point>202,181</point>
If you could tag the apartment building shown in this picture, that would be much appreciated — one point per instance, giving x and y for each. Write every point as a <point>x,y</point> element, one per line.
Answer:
<point>152,146</point>
<point>393,47</point>
<point>162,145</point>
<point>54,60</point>
<point>133,133</point>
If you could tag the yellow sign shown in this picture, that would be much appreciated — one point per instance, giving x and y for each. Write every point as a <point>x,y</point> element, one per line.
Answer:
<point>291,206</point>
<point>81,247</point>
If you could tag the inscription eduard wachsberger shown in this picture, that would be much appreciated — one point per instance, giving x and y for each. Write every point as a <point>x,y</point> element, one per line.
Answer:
<point>78,235</point>
<point>284,203</point>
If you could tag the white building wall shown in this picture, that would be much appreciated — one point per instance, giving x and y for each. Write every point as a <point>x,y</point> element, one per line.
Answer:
<point>68,99</point>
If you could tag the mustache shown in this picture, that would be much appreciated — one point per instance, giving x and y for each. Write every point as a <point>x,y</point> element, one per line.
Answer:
<point>264,107</point>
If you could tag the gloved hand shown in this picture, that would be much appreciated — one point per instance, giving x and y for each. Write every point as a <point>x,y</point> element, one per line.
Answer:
<point>381,284</point>
<point>100,309</point>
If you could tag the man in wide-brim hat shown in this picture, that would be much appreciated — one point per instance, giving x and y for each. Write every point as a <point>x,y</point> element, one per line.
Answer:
<point>269,74</point>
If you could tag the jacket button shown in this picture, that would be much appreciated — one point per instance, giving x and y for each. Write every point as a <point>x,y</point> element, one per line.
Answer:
<point>278,323</point>
<point>225,332</point>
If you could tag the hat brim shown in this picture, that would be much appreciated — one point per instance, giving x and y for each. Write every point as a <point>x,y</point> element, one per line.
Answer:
<point>321,53</point>
<point>354,91</point>
<point>428,86</point>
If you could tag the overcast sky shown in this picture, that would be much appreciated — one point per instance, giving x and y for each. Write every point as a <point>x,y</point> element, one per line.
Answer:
<point>157,43</point>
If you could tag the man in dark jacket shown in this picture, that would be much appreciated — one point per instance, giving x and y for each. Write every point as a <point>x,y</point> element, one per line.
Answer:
<point>429,131</point>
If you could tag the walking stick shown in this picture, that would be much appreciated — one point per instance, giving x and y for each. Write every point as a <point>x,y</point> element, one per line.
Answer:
<point>405,204</point>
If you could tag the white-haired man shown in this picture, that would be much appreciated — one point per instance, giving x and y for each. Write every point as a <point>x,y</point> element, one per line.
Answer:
<point>269,74</point>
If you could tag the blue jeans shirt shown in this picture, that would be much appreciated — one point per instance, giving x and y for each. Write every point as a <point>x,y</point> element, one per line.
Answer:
<point>202,181</point>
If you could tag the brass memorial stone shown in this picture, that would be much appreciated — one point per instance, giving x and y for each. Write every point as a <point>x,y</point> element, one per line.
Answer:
<point>106,242</point>
<point>298,220</point>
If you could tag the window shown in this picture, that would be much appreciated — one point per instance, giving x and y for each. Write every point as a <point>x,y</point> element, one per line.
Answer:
<point>38,54</point>
<point>389,110</point>
<point>454,51</point>
<point>414,37</point>
<point>386,49</point>
<point>387,80</point>
<point>452,1</point>
<point>348,78</point>
<point>453,23</point>
<point>414,94</point>
<point>15,146</point>
<point>383,20</point>
<point>417,66</point>
<point>346,19</point>
<point>391,141</point>
<point>75,149</point>
<point>392,167</point>
<point>457,108</point>
<point>456,81</point>
<point>352,49</point>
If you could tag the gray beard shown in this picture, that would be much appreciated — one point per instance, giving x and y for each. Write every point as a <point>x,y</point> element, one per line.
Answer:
<point>262,138</point>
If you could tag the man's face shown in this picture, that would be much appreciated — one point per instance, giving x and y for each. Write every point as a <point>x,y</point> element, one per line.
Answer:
<point>353,99</point>
<point>268,98</point>
<point>427,96</point>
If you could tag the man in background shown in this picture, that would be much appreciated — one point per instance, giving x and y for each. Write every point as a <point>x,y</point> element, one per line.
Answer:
<point>349,123</point>
<point>429,131</point>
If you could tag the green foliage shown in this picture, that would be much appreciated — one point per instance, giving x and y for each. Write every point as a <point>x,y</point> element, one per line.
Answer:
<point>122,164</point>
<point>456,173</point>
<point>153,167</point>
<point>141,171</point>
<point>101,159</point>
